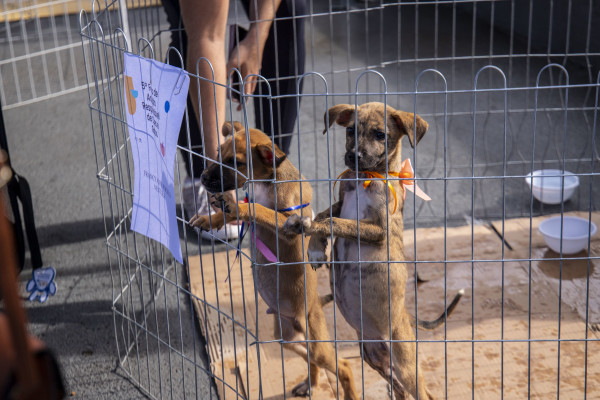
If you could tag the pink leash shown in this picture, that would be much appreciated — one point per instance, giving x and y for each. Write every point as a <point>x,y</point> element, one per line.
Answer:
<point>260,245</point>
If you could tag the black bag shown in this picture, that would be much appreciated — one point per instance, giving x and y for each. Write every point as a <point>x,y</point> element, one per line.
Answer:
<point>18,198</point>
<point>28,370</point>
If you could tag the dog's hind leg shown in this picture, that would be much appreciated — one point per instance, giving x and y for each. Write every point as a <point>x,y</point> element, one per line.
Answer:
<point>293,331</point>
<point>405,357</point>
<point>323,354</point>
<point>377,355</point>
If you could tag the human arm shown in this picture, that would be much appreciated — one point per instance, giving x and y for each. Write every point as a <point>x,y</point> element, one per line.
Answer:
<point>247,55</point>
<point>205,23</point>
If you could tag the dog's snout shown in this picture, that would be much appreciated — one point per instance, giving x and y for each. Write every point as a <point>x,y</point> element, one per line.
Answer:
<point>360,160</point>
<point>204,177</point>
<point>352,157</point>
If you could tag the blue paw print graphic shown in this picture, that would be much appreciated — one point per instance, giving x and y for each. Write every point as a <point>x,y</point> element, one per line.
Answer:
<point>41,285</point>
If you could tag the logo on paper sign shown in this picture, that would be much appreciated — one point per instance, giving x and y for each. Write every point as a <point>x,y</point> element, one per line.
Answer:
<point>162,149</point>
<point>131,95</point>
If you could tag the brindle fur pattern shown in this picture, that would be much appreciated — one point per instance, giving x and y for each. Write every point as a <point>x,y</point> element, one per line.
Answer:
<point>365,215</point>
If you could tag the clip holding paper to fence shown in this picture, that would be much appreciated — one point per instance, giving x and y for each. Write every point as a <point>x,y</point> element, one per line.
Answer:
<point>179,86</point>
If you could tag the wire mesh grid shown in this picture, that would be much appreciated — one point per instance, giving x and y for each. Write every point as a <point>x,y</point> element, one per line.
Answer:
<point>506,88</point>
<point>39,47</point>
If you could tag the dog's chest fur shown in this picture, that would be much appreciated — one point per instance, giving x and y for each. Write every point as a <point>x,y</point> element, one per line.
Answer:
<point>356,201</point>
<point>263,195</point>
<point>356,205</point>
<point>267,278</point>
<point>370,273</point>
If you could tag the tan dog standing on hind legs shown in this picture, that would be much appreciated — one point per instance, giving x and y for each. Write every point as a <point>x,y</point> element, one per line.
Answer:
<point>297,321</point>
<point>384,317</point>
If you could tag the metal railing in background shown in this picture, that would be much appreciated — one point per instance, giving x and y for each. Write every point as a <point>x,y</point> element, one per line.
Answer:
<point>40,45</point>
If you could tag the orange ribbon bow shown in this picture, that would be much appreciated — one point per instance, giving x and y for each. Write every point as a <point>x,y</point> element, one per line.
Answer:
<point>407,174</point>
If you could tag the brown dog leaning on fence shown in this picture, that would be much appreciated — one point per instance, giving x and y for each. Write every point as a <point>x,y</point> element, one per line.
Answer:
<point>297,322</point>
<point>383,317</point>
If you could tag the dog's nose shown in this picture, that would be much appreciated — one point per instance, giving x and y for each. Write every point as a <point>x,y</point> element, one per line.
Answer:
<point>353,156</point>
<point>204,178</point>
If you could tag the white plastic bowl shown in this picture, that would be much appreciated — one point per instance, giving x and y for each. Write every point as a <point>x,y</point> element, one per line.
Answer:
<point>576,232</point>
<point>546,185</point>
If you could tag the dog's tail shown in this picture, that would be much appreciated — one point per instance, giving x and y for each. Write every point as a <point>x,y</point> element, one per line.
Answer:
<point>328,298</point>
<point>430,325</point>
<point>419,279</point>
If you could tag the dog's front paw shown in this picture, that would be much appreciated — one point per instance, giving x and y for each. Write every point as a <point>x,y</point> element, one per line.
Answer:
<point>317,247</point>
<point>228,204</point>
<point>294,224</point>
<point>220,201</point>
<point>232,206</point>
<point>206,223</point>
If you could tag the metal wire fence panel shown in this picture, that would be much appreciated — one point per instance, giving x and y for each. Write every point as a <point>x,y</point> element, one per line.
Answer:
<point>41,46</point>
<point>504,89</point>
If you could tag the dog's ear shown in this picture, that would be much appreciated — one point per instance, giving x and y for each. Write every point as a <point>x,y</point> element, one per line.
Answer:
<point>406,123</point>
<point>231,127</point>
<point>265,152</point>
<point>341,114</point>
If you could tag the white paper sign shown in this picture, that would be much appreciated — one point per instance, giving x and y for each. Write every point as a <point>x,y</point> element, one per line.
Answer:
<point>155,95</point>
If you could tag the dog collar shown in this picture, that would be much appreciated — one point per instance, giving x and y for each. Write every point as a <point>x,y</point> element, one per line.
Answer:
<point>260,245</point>
<point>298,207</point>
<point>407,175</point>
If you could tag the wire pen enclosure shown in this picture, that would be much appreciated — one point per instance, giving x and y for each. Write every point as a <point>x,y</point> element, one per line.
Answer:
<point>505,89</point>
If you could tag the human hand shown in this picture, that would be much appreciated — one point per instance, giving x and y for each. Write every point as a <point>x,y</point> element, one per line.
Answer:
<point>247,58</point>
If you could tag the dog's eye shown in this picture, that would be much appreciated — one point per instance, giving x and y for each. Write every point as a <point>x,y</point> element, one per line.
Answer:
<point>350,130</point>
<point>380,135</point>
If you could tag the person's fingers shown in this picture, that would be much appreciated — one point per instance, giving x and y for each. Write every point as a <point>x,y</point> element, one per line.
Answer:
<point>250,85</point>
<point>231,63</point>
<point>244,72</point>
<point>252,82</point>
